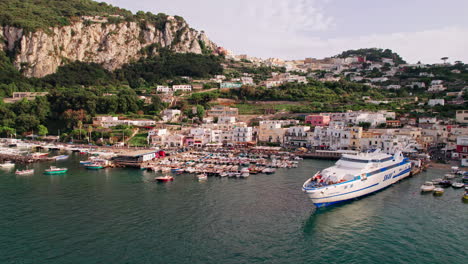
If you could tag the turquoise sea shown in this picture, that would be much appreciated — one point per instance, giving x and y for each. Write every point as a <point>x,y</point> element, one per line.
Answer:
<point>120,216</point>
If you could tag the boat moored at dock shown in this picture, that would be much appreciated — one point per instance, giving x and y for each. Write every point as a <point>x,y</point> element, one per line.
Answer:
<point>354,176</point>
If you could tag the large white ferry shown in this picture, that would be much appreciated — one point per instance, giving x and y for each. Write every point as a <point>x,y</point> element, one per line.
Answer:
<point>355,176</point>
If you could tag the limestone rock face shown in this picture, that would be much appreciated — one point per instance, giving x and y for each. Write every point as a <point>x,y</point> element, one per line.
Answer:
<point>112,45</point>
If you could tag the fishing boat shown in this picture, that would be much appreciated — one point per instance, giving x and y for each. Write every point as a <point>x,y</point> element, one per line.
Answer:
<point>94,166</point>
<point>439,191</point>
<point>202,177</point>
<point>24,172</point>
<point>457,185</point>
<point>55,170</point>
<point>427,187</point>
<point>7,165</point>
<point>354,176</point>
<point>166,178</point>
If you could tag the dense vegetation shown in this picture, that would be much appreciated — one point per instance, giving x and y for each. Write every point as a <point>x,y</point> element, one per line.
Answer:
<point>373,54</point>
<point>337,92</point>
<point>167,65</point>
<point>32,15</point>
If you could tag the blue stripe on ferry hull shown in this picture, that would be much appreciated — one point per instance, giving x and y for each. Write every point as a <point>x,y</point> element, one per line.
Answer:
<point>319,205</point>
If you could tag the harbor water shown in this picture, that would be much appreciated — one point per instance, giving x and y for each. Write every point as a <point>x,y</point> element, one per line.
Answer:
<point>121,216</point>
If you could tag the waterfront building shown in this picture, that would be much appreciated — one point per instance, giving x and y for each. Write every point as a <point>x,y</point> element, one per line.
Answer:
<point>157,137</point>
<point>271,132</point>
<point>297,136</point>
<point>462,147</point>
<point>243,134</point>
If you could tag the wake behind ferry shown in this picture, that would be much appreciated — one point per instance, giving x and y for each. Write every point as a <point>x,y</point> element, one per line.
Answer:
<point>356,175</point>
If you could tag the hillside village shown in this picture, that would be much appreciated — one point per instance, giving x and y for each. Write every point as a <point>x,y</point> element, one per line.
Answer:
<point>210,121</point>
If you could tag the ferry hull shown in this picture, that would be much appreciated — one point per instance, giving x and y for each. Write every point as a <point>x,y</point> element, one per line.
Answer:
<point>347,191</point>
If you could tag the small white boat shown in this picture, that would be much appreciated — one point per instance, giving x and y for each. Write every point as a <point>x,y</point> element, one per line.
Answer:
<point>436,181</point>
<point>245,175</point>
<point>223,174</point>
<point>439,191</point>
<point>7,165</point>
<point>458,185</point>
<point>24,172</point>
<point>449,176</point>
<point>166,178</point>
<point>202,177</point>
<point>427,187</point>
<point>61,157</point>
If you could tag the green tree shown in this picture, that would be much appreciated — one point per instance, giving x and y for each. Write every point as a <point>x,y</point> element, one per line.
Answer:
<point>42,130</point>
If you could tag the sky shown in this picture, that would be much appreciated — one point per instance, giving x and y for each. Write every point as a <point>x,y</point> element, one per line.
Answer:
<point>419,30</point>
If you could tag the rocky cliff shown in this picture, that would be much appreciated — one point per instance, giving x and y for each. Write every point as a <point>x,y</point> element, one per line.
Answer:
<point>40,53</point>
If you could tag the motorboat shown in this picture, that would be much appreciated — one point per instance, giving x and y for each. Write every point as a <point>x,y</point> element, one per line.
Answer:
<point>202,177</point>
<point>465,179</point>
<point>61,157</point>
<point>24,172</point>
<point>166,178</point>
<point>465,197</point>
<point>449,176</point>
<point>439,191</point>
<point>437,181</point>
<point>457,185</point>
<point>94,166</point>
<point>55,170</point>
<point>427,187</point>
<point>354,176</point>
<point>445,183</point>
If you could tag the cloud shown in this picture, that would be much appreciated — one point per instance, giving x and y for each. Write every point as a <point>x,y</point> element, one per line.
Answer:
<point>427,46</point>
<point>295,29</point>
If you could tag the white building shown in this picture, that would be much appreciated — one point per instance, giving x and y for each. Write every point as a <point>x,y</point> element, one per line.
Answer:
<point>247,81</point>
<point>243,134</point>
<point>163,89</point>
<point>434,102</point>
<point>437,88</point>
<point>226,119</point>
<point>111,121</point>
<point>394,86</point>
<point>171,115</point>
<point>427,120</point>
<point>182,87</point>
